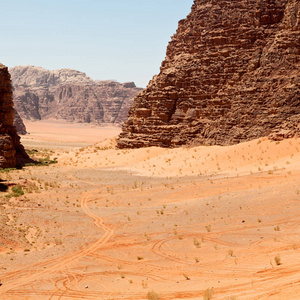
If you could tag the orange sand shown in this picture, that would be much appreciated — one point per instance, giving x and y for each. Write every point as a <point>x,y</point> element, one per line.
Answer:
<point>60,134</point>
<point>118,224</point>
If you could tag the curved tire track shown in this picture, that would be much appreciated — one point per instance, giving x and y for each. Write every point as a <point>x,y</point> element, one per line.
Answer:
<point>61,263</point>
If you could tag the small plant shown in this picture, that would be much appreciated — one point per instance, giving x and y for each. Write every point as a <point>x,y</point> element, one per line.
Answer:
<point>42,162</point>
<point>277,260</point>
<point>277,228</point>
<point>208,228</point>
<point>58,241</point>
<point>17,191</point>
<point>7,170</point>
<point>197,244</point>
<point>152,296</point>
<point>208,294</point>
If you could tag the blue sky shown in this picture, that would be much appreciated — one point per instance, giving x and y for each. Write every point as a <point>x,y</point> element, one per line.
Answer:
<point>124,40</point>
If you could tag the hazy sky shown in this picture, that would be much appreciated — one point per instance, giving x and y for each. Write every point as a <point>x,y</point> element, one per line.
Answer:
<point>124,40</point>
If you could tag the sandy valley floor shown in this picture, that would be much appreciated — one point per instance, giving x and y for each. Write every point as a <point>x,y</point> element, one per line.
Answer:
<point>188,223</point>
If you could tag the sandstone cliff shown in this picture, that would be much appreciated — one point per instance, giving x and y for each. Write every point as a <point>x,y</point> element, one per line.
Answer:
<point>11,151</point>
<point>231,74</point>
<point>70,95</point>
<point>19,124</point>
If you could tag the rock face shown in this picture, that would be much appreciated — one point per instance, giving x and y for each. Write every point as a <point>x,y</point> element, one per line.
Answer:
<point>11,151</point>
<point>18,123</point>
<point>70,95</point>
<point>231,74</point>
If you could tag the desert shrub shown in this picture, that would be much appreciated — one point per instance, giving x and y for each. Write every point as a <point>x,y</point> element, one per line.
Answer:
<point>208,295</point>
<point>208,228</point>
<point>46,161</point>
<point>58,241</point>
<point>278,260</point>
<point>277,228</point>
<point>197,244</point>
<point>152,296</point>
<point>17,191</point>
<point>7,170</point>
<point>42,162</point>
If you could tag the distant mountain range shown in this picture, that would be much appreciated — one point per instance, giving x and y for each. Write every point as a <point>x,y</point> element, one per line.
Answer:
<point>70,95</point>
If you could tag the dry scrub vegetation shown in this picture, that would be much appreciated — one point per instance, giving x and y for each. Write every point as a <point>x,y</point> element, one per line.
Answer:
<point>189,223</point>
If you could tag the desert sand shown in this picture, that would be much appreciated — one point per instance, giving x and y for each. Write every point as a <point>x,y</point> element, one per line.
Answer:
<point>61,134</point>
<point>152,223</point>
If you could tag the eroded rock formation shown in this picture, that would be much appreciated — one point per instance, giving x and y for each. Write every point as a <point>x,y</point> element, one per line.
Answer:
<point>19,124</point>
<point>11,151</point>
<point>231,74</point>
<point>70,95</point>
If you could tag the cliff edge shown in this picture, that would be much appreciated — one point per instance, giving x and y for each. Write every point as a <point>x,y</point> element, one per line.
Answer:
<point>11,150</point>
<point>231,74</point>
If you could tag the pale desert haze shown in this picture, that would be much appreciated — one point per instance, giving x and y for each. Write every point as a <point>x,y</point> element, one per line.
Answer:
<point>200,222</point>
<point>61,134</point>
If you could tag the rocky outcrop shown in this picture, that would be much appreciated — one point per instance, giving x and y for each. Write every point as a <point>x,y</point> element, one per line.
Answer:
<point>19,124</point>
<point>70,95</point>
<point>231,74</point>
<point>11,151</point>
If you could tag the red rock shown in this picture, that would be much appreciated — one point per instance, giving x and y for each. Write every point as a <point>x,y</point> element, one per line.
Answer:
<point>231,74</point>
<point>11,151</point>
<point>19,124</point>
<point>70,95</point>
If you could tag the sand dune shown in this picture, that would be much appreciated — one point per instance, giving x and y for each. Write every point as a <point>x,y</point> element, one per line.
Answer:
<point>187,223</point>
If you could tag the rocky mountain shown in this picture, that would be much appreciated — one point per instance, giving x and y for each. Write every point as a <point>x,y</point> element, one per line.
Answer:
<point>70,95</point>
<point>231,74</point>
<point>11,151</point>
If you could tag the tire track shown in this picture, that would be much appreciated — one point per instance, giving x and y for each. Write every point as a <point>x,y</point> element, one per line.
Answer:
<point>60,263</point>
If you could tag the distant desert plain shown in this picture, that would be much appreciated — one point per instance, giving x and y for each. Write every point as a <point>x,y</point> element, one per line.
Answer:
<point>152,223</point>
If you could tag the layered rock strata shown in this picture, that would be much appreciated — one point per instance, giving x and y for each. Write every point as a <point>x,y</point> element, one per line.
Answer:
<point>70,95</point>
<point>231,74</point>
<point>11,151</point>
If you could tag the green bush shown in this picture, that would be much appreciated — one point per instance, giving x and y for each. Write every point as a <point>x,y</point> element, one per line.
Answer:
<point>17,191</point>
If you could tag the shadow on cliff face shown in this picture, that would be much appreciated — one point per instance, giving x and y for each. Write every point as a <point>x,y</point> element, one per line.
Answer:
<point>22,158</point>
